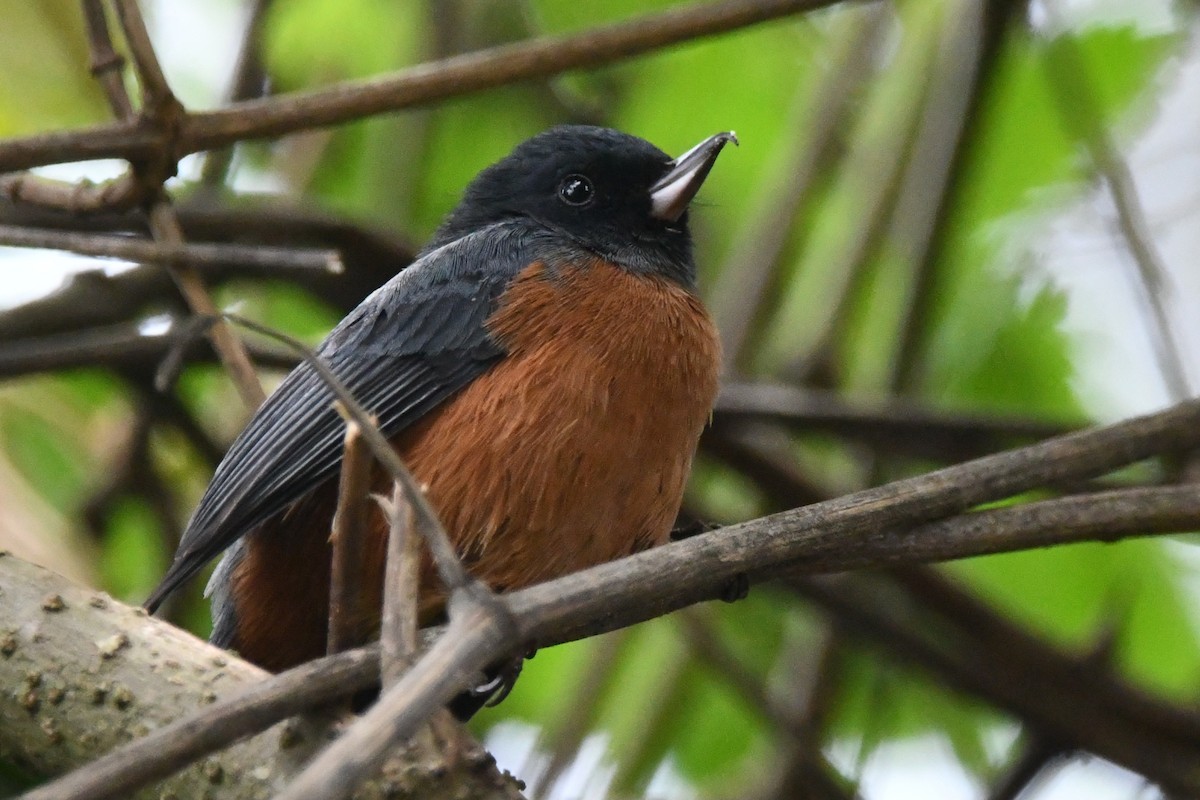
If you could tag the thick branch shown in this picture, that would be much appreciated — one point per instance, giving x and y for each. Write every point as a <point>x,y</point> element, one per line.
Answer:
<point>95,674</point>
<point>586,595</point>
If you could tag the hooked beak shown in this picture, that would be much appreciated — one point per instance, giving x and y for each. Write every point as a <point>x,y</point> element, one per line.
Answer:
<point>670,195</point>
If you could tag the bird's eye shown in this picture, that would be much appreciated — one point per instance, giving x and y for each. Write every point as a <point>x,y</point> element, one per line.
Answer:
<point>576,190</point>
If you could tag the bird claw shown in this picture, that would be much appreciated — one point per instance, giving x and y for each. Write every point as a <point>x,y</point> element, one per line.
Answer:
<point>736,588</point>
<point>686,529</point>
<point>503,681</point>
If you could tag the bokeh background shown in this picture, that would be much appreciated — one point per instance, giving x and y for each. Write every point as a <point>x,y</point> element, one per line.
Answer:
<point>941,210</point>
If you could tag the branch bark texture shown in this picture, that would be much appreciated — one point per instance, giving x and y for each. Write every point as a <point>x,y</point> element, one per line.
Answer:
<point>83,675</point>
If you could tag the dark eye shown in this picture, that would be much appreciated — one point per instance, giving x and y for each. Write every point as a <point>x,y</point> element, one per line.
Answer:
<point>576,190</point>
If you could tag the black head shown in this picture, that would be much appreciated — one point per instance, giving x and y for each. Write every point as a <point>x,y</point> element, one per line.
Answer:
<point>615,195</point>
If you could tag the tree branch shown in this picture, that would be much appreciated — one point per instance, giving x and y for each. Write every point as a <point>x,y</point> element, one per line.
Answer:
<point>417,85</point>
<point>639,587</point>
<point>860,529</point>
<point>141,675</point>
<point>916,427</point>
<point>278,261</point>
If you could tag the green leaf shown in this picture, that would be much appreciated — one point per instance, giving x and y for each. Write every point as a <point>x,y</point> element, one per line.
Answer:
<point>134,556</point>
<point>879,702</point>
<point>44,55</point>
<point>372,36</point>
<point>1075,594</point>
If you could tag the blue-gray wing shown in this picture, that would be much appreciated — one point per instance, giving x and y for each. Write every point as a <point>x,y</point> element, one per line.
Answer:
<point>408,347</point>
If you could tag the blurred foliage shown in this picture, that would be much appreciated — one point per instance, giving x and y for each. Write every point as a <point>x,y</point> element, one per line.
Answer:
<point>993,336</point>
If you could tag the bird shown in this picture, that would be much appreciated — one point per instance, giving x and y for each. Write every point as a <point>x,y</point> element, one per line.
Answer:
<point>544,367</point>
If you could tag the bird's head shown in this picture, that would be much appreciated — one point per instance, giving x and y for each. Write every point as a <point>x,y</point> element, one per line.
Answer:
<point>613,194</point>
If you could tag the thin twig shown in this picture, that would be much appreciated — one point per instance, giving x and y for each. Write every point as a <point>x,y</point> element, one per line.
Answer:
<point>93,298</point>
<point>347,605</point>
<point>478,635</point>
<point>107,64</point>
<point>459,75</point>
<point>123,348</point>
<point>401,591</point>
<point>835,534</point>
<point>285,260</point>
<point>418,85</point>
<point>229,348</point>
<point>164,226</point>
<point>155,89</point>
<point>119,194</point>
<point>1100,517</point>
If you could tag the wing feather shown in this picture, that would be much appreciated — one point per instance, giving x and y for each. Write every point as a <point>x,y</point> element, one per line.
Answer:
<point>407,348</point>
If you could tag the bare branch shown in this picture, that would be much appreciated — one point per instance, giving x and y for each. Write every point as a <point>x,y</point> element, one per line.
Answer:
<point>476,637</point>
<point>155,90</point>
<point>347,603</point>
<point>418,85</point>
<point>836,534</point>
<point>94,298</point>
<point>660,580</point>
<point>165,227</point>
<point>123,348</point>
<point>675,575</point>
<point>915,426</point>
<point>282,260</point>
<point>401,591</point>
<point>163,110</point>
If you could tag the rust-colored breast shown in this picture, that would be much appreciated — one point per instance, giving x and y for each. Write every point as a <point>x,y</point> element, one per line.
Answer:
<point>575,448</point>
<point>571,451</point>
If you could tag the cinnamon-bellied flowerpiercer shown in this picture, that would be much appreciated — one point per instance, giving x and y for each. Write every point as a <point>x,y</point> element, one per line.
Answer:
<point>544,367</point>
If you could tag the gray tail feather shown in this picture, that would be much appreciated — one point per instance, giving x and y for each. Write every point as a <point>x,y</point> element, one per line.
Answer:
<point>219,588</point>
